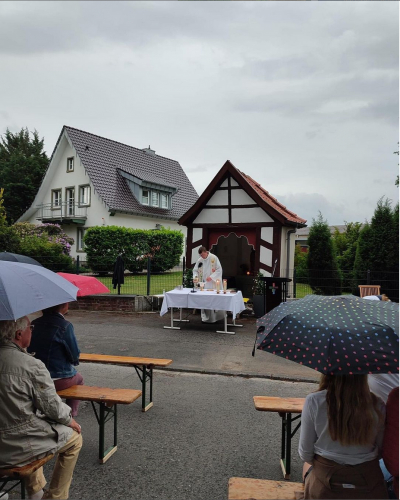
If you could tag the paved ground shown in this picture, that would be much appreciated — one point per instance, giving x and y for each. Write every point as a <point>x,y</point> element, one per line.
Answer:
<point>203,428</point>
<point>196,347</point>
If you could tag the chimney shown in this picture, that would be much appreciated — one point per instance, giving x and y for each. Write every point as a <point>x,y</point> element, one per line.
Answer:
<point>149,151</point>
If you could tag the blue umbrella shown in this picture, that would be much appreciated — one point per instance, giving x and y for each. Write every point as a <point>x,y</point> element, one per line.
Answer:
<point>334,335</point>
<point>16,257</point>
<point>25,289</point>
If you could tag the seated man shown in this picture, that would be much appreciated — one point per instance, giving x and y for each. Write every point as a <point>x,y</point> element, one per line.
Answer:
<point>26,435</point>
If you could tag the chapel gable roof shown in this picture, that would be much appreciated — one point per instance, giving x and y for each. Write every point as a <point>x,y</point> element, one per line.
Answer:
<point>261,196</point>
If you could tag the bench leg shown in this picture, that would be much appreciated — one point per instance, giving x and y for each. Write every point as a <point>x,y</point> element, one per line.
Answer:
<point>286,443</point>
<point>146,373</point>
<point>6,489</point>
<point>106,413</point>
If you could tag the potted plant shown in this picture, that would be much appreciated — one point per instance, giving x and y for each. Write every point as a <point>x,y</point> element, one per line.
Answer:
<point>258,295</point>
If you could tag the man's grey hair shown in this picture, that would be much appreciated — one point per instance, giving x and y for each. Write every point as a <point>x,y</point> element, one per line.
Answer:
<point>9,328</point>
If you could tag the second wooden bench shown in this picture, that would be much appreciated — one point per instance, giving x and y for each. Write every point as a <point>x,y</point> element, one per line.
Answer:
<point>108,399</point>
<point>143,366</point>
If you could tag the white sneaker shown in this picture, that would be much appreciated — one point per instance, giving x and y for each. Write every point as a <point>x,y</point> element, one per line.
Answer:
<point>3,495</point>
<point>36,496</point>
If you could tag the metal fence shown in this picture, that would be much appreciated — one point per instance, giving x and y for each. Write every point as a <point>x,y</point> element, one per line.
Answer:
<point>330,282</point>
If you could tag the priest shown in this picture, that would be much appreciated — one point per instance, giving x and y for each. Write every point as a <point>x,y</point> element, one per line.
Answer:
<point>208,269</point>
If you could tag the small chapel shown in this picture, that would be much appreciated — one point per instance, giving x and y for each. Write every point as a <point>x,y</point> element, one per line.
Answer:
<point>247,228</point>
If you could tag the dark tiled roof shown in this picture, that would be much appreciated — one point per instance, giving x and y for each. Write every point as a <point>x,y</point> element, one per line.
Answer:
<point>273,202</point>
<point>103,157</point>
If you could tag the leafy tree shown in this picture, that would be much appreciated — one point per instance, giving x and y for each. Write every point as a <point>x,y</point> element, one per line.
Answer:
<point>300,264</point>
<point>378,246</point>
<point>9,239</point>
<point>22,166</point>
<point>324,275</point>
<point>345,245</point>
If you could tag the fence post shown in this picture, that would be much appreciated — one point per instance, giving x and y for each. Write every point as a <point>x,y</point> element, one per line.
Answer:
<point>368,277</point>
<point>294,283</point>
<point>77,264</point>
<point>148,275</point>
<point>183,269</point>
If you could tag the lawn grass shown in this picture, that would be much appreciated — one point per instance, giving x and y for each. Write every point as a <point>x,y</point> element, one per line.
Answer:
<point>137,284</point>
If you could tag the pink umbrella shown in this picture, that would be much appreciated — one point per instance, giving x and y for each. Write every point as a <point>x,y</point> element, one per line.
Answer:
<point>87,284</point>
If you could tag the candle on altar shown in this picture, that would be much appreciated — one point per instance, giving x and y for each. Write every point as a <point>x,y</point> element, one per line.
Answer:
<point>225,283</point>
<point>218,285</point>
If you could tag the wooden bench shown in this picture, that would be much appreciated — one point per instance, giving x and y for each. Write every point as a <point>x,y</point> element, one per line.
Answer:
<point>143,366</point>
<point>108,399</point>
<point>241,488</point>
<point>285,407</point>
<point>17,475</point>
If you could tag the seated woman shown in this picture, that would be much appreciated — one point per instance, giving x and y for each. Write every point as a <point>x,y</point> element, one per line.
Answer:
<point>54,343</point>
<point>341,437</point>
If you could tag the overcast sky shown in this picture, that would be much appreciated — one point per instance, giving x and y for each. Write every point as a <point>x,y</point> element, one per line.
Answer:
<point>301,96</point>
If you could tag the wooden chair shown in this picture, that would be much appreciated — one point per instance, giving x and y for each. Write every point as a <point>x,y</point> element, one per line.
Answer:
<point>367,290</point>
<point>17,475</point>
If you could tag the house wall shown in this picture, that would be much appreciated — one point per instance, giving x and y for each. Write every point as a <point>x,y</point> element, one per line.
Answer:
<point>97,212</point>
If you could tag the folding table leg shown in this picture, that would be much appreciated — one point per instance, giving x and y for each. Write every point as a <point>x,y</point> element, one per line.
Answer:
<point>172,327</point>
<point>234,322</point>
<point>226,325</point>
<point>180,317</point>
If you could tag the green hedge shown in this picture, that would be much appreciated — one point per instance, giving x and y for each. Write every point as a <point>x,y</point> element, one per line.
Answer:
<point>104,244</point>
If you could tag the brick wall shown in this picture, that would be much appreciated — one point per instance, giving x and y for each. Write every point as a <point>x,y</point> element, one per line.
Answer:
<point>125,303</point>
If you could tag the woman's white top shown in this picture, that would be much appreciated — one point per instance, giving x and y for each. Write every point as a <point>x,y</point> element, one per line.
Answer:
<point>315,437</point>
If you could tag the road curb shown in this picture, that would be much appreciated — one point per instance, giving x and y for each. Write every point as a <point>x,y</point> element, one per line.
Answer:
<point>239,374</point>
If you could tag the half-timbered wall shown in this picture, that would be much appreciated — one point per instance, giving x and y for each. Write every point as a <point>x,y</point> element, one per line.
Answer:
<point>230,209</point>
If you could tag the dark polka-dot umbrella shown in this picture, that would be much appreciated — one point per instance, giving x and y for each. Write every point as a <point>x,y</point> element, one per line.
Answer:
<point>336,335</point>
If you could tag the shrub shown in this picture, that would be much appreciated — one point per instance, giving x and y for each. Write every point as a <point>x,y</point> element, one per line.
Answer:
<point>258,284</point>
<point>104,244</point>
<point>9,240</point>
<point>51,232</point>
<point>188,278</point>
<point>49,254</point>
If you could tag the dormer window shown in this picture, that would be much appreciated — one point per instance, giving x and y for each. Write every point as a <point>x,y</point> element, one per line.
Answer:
<point>145,197</point>
<point>70,164</point>
<point>149,190</point>
<point>155,199</point>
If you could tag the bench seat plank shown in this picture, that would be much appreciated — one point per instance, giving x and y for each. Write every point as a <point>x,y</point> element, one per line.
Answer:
<point>280,405</point>
<point>124,360</point>
<point>100,394</point>
<point>25,470</point>
<point>241,488</point>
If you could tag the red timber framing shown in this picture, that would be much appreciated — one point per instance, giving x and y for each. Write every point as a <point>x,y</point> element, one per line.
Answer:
<point>234,203</point>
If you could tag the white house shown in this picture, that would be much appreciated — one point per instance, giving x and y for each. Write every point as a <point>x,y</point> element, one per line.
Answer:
<point>93,181</point>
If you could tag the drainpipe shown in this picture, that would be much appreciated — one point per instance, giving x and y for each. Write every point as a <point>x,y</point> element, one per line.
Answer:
<point>291,231</point>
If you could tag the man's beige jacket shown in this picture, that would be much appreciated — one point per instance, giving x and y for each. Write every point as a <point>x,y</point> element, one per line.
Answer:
<point>25,387</point>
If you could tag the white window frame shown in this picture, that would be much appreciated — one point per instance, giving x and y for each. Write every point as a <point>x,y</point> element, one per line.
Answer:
<point>82,189</point>
<point>70,200</point>
<point>56,201</point>
<point>80,245</point>
<point>147,198</point>
<point>165,197</point>
<point>70,164</point>
<point>155,194</point>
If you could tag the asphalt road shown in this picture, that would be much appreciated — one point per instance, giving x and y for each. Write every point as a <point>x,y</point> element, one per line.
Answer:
<point>196,347</point>
<point>202,430</point>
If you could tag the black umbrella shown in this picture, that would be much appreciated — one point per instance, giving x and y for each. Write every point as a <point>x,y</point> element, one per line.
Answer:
<point>118,275</point>
<point>336,335</point>
<point>15,257</point>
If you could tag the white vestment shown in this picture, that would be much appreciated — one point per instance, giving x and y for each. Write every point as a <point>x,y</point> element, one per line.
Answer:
<point>204,268</point>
